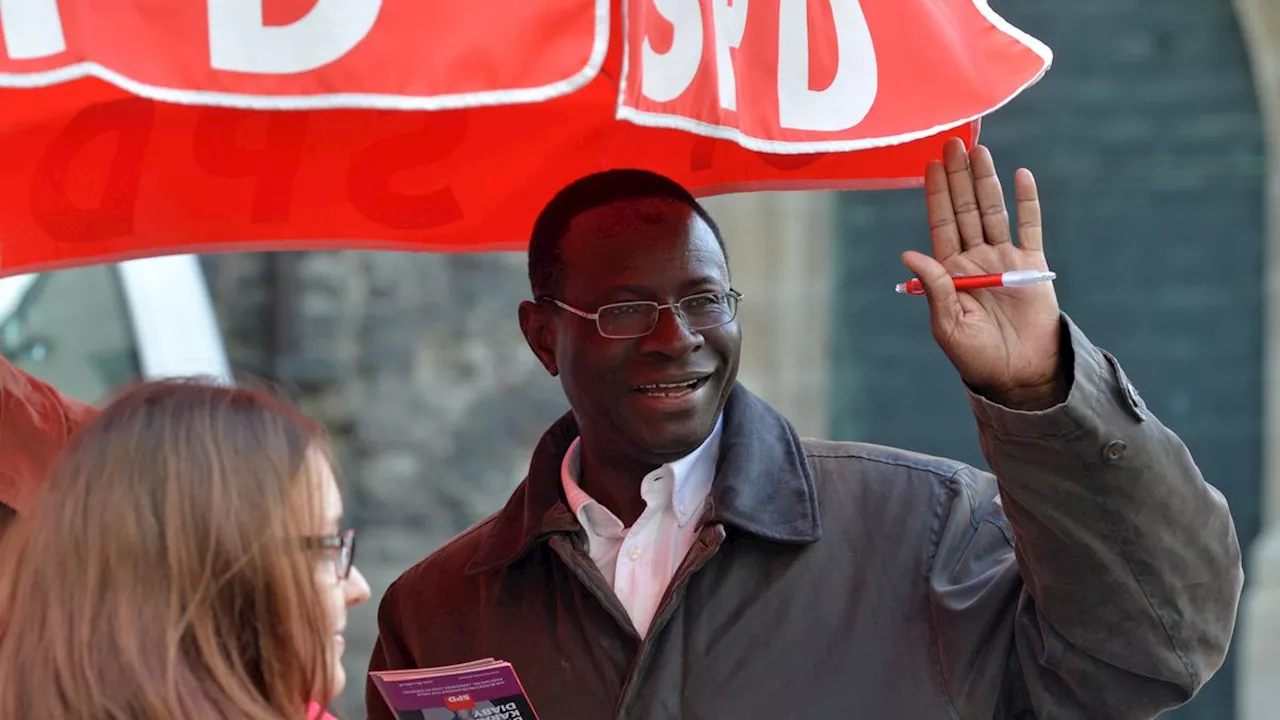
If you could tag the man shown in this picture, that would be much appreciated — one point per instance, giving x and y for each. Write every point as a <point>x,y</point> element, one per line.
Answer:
<point>676,551</point>
<point>35,423</point>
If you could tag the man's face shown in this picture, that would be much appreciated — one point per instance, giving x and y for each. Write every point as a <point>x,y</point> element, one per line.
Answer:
<point>657,250</point>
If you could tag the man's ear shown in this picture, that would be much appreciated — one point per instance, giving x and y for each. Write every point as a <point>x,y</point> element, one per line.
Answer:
<point>540,334</point>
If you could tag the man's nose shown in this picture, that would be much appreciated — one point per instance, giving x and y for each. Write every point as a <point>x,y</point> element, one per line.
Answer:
<point>672,335</point>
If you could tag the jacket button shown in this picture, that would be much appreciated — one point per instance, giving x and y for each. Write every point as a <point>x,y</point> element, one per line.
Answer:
<point>1115,450</point>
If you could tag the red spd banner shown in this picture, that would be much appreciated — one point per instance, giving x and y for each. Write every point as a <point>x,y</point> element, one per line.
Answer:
<point>310,54</point>
<point>792,76</point>
<point>141,127</point>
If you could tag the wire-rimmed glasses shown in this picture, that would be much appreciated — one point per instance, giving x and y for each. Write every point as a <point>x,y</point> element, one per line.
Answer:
<point>638,318</point>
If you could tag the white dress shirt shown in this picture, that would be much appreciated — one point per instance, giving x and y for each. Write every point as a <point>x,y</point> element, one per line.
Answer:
<point>640,561</point>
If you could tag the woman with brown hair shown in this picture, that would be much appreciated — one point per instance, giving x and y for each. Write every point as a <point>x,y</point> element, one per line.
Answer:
<point>183,560</point>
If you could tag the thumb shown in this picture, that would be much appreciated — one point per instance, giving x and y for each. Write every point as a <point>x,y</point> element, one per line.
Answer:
<point>939,288</point>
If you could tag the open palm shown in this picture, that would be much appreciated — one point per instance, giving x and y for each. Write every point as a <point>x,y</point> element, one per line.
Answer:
<point>1004,342</point>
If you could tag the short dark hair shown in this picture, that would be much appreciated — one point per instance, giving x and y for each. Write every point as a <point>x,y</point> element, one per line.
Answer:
<point>545,261</point>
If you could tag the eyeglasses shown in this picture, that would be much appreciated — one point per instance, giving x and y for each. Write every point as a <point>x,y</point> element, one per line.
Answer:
<point>344,544</point>
<point>620,321</point>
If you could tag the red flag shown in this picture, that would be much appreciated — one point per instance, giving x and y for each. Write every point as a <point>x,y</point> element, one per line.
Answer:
<point>141,127</point>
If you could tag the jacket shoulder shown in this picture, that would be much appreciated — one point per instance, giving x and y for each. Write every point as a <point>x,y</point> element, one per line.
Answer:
<point>894,474</point>
<point>448,563</point>
<point>850,454</point>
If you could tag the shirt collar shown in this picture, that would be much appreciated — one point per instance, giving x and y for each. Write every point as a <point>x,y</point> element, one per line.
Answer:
<point>763,486</point>
<point>692,477</point>
<point>694,474</point>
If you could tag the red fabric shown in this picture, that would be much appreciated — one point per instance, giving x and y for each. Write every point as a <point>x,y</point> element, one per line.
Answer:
<point>446,126</point>
<point>35,422</point>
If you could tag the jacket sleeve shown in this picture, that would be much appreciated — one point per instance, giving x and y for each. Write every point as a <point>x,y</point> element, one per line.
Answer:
<point>35,423</point>
<point>389,653</point>
<point>1102,579</point>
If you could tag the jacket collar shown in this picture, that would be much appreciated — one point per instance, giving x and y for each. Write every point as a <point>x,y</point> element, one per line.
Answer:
<point>763,486</point>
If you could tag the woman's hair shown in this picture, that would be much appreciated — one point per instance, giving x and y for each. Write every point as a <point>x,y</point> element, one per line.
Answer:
<point>161,573</point>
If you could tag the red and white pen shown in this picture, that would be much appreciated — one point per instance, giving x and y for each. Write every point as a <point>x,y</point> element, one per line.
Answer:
<point>1013,278</point>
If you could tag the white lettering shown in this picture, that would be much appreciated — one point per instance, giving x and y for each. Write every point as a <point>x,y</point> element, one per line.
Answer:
<point>664,76</point>
<point>239,40</point>
<point>32,28</point>
<point>730,23</point>
<point>500,712</point>
<point>853,91</point>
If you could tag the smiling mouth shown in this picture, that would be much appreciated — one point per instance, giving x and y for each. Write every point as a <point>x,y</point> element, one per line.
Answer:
<point>668,390</point>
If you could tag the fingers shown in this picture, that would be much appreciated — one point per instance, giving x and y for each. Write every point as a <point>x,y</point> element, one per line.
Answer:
<point>963,199</point>
<point>966,203</point>
<point>939,288</point>
<point>990,196</point>
<point>1030,231</point>
<point>943,232</point>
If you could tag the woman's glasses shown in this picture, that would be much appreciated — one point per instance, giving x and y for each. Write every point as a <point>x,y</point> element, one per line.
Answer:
<point>343,548</point>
